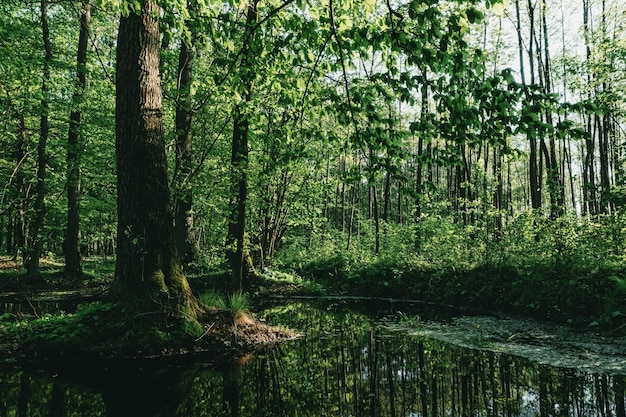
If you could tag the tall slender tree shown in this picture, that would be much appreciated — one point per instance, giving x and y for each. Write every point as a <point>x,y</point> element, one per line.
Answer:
<point>556,187</point>
<point>589,177</point>
<point>184,219</point>
<point>35,245</point>
<point>535,180</point>
<point>239,157</point>
<point>73,267</point>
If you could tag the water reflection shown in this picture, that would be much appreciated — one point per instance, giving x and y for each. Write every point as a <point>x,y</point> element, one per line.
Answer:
<point>344,365</point>
<point>34,308</point>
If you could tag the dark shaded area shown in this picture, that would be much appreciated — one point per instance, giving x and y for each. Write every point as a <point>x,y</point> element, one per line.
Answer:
<point>350,362</point>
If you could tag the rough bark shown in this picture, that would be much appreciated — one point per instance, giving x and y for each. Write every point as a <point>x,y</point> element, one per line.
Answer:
<point>148,272</point>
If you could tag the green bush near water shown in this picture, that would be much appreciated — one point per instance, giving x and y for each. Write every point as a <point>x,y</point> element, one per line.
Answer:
<point>567,270</point>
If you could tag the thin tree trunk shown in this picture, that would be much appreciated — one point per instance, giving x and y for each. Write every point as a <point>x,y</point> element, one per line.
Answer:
<point>603,145</point>
<point>374,208</point>
<point>343,171</point>
<point>353,203</point>
<point>534,170</point>
<point>20,226</point>
<point>73,267</point>
<point>566,163</point>
<point>239,164</point>
<point>387,197</point>
<point>419,178</point>
<point>400,202</point>
<point>555,186</point>
<point>603,134</point>
<point>419,172</point>
<point>590,188</point>
<point>498,198</point>
<point>589,184</point>
<point>326,182</point>
<point>183,214</point>
<point>33,251</point>
<point>387,184</point>
<point>376,220</point>
<point>239,191</point>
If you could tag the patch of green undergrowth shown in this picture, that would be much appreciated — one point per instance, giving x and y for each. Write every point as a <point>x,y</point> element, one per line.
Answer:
<point>569,269</point>
<point>66,331</point>
<point>237,303</point>
<point>98,268</point>
<point>279,276</point>
<point>411,321</point>
<point>213,299</point>
<point>293,279</point>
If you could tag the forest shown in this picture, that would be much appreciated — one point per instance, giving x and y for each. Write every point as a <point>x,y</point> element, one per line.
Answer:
<point>459,152</point>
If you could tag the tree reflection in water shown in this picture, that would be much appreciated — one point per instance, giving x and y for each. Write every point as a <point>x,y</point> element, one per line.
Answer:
<point>344,365</point>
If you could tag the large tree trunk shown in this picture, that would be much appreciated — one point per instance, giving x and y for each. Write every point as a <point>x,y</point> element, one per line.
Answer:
<point>148,274</point>
<point>73,266</point>
<point>35,246</point>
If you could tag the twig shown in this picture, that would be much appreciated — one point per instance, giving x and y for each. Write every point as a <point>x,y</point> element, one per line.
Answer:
<point>32,306</point>
<point>206,332</point>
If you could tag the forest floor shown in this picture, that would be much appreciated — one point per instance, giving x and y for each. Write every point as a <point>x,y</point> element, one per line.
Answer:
<point>21,303</point>
<point>543,342</point>
<point>25,301</point>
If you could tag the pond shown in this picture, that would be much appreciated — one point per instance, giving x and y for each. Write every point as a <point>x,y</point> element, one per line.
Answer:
<point>353,359</point>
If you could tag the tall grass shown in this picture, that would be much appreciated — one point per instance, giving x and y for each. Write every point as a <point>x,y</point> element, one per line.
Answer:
<point>236,304</point>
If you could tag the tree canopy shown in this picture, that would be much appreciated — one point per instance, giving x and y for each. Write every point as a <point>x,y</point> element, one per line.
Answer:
<point>406,128</point>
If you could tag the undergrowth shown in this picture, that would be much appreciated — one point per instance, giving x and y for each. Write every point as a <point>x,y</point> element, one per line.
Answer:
<point>567,270</point>
<point>236,304</point>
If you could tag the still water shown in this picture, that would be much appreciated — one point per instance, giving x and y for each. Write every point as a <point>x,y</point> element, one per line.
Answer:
<point>350,361</point>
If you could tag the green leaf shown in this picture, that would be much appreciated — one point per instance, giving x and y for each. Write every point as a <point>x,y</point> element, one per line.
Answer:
<point>474,15</point>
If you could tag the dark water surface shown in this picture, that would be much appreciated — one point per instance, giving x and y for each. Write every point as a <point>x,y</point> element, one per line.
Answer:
<point>350,361</point>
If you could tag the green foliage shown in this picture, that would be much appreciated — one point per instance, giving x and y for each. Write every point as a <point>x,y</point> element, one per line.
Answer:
<point>541,267</point>
<point>338,104</point>
<point>278,276</point>
<point>64,334</point>
<point>214,299</point>
<point>409,321</point>
<point>236,304</point>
